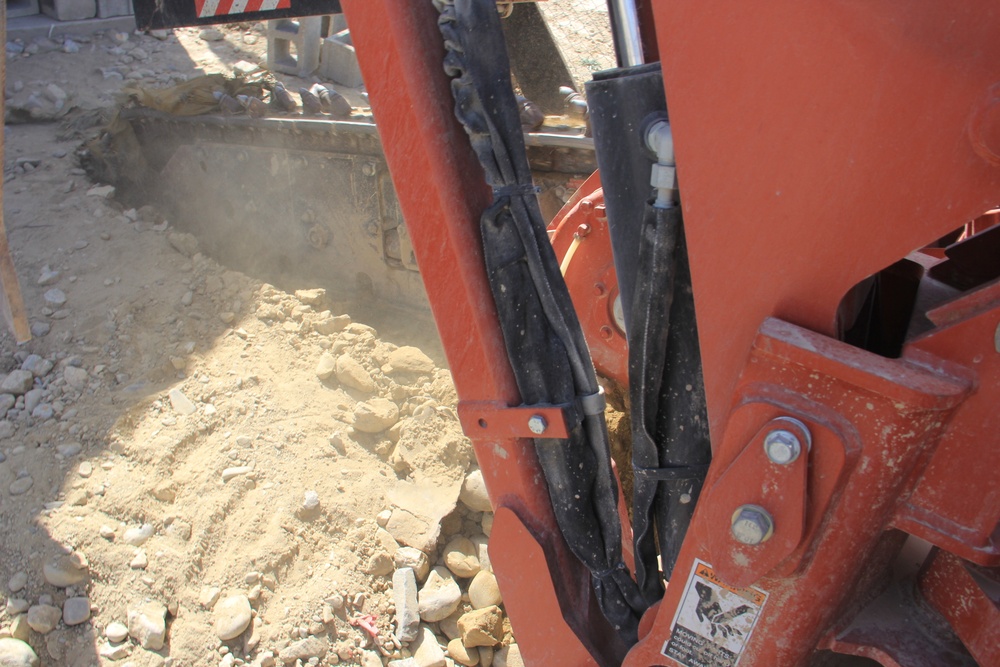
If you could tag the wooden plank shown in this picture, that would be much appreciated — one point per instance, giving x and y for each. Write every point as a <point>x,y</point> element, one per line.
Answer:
<point>11,303</point>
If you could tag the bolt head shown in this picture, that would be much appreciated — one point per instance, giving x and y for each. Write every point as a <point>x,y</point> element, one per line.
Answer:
<point>537,424</point>
<point>782,447</point>
<point>752,525</point>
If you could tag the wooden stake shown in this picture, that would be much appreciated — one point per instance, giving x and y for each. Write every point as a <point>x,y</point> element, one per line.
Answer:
<point>11,303</point>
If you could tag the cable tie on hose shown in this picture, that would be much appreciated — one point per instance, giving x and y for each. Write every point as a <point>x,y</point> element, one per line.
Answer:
<point>594,404</point>
<point>516,190</point>
<point>672,473</point>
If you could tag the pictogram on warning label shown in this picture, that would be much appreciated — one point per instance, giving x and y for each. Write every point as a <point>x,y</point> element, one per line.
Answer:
<point>713,622</point>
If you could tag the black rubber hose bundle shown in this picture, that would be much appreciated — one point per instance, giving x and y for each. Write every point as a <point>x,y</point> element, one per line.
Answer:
<point>670,443</point>
<point>545,343</point>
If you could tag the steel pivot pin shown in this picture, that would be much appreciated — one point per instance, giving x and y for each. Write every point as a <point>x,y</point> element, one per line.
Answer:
<point>752,525</point>
<point>537,424</point>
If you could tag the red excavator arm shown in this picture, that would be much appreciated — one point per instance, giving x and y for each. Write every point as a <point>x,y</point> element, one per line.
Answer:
<point>838,170</point>
<point>819,147</point>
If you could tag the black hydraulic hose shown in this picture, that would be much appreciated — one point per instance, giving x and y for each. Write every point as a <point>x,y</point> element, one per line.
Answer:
<point>682,421</point>
<point>654,295</point>
<point>545,343</point>
<point>670,447</point>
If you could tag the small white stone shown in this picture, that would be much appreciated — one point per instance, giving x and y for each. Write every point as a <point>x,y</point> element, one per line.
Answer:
<point>137,536</point>
<point>232,617</point>
<point>116,632</point>
<point>140,561</point>
<point>181,403</point>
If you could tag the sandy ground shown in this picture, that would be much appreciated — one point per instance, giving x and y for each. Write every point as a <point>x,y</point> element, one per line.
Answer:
<point>199,468</point>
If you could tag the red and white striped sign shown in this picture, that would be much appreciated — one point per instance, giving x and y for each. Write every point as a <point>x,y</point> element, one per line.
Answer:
<point>206,8</point>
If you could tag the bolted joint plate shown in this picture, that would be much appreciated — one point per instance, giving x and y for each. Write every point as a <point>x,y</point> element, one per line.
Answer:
<point>757,507</point>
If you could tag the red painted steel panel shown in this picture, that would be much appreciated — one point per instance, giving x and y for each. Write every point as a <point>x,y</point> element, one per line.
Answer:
<point>817,143</point>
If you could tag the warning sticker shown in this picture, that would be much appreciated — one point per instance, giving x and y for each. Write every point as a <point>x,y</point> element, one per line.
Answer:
<point>713,622</point>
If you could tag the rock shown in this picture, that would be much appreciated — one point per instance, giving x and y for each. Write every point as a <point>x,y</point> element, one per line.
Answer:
<point>413,528</point>
<point>212,35</point>
<point>410,360</point>
<point>115,652</point>
<point>32,399</point>
<point>484,591</point>
<point>37,366</point>
<point>404,596</point>
<point>76,611</point>
<point>21,485</point>
<point>104,191</point>
<point>48,277</point>
<point>482,627</point>
<point>352,374</point>
<point>16,606</point>
<point>235,471</point>
<point>19,628</point>
<point>209,596</point>
<point>7,429</point>
<point>440,595</point>
<point>16,653</point>
<point>379,564</point>
<point>140,562</point>
<point>304,649</point>
<point>18,382</point>
<point>370,659</point>
<point>184,243</point>
<point>461,557</point>
<point>485,655</point>
<point>40,329</point>
<point>76,377</point>
<point>54,297</point>
<point>474,494</point>
<point>414,559</point>
<point>328,324</point>
<point>18,581</point>
<point>116,632</point>
<point>405,662</point>
<point>137,535</point>
<point>43,618</point>
<point>310,501</point>
<point>375,415</point>
<point>232,617</point>
<point>508,656</point>
<point>43,412</point>
<point>326,367</point>
<point>462,655</point>
<point>147,624</point>
<point>7,401</point>
<point>69,449</point>
<point>482,549</point>
<point>487,523</point>
<point>449,625</point>
<point>68,570</point>
<point>107,532</point>
<point>311,297</point>
<point>181,403</point>
<point>426,650</point>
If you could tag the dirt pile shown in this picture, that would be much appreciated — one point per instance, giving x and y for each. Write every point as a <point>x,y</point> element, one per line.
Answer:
<point>197,468</point>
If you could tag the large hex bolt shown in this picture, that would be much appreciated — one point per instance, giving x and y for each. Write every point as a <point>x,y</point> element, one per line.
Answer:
<point>782,447</point>
<point>537,424</point>
<point>752,525</point>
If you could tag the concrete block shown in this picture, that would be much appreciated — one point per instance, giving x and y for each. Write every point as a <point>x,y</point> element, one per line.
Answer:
<point>293,45</point>
<point>109,8</point>
<point>338,61</point>
<point>333,23</point>
<point>16,8</point>
<point>69,10</point>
